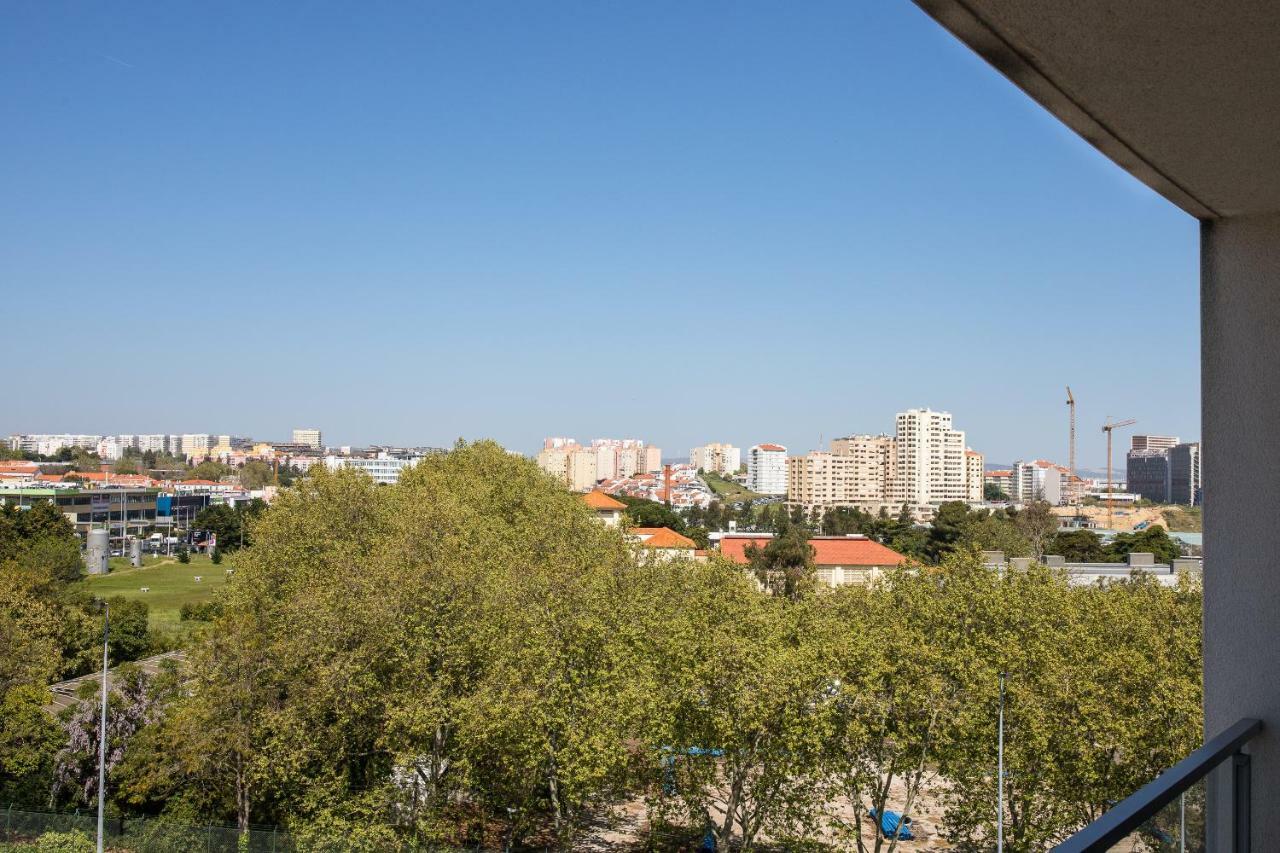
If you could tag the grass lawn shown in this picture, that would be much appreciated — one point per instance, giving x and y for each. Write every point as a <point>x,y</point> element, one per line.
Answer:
<point>729,491</point>
<point>171,585</point>
<point>1184,519</point>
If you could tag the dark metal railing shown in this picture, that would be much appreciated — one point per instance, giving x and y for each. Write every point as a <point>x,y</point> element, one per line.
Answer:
<point>1135,810</point>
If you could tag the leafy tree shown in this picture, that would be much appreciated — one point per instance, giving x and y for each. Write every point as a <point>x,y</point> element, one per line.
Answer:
<point>1078,546</point>
<point>1038,524</point>
<point>127,465</point>
<point>949,530</point>
<point>992,492</point>
<point>1154,540</point>
<point>256,475</point>
<point>785,565</point>
<point>223,522</point>
<point>29,738</point>
<point>745,696</point>
<point>209,470</point>
<point>85,460</point>
<point>646,513</point>
<point>128,640</point>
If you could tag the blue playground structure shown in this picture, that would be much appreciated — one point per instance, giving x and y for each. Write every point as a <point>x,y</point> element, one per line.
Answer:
<point>892,823</point>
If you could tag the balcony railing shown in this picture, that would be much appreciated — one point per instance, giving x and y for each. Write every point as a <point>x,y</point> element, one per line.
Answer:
<point>1132,813</point>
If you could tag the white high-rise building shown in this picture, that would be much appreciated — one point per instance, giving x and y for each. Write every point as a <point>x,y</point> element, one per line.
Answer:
<point>931,462</point>
<point>722,459</point>
<point>308,437</point>
<point>767,469</point>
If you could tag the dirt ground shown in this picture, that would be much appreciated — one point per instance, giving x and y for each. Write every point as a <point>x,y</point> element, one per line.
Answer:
<point>1124,518</point>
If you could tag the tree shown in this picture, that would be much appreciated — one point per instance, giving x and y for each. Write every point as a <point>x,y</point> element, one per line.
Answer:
<point>469,631</point>
<point>785,565</point>
<point>744,685</point>
<point>209,470</point>
<point>128,636</point>
<point>1154,540</point>
<point>646,513</point>
<point>29,739</point>
<point>992,492</point>
<point>949,530</point>
<point>256,475</point>
<point>85,460</point>
<point>130,705</point>
<point>1078,546</point>
<point>1037,522</point>
<point>220,521</point>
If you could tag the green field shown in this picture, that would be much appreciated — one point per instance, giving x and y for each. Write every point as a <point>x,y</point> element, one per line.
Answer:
<point>729,491</point>
<point>171,585</point>
<point>1184,519</point>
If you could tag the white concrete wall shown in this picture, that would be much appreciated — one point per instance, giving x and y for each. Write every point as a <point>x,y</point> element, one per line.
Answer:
<point>1240,352</point>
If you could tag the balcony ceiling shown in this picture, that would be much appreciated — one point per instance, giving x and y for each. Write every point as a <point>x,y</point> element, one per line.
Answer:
<point>1184,94</point>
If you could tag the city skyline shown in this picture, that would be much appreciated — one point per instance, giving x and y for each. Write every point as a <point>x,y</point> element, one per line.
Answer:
<point>406,227</point>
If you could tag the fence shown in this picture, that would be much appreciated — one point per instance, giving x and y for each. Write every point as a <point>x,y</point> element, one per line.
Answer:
<point>143,835</point>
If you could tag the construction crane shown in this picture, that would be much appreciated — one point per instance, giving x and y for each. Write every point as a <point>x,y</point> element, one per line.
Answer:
<point>1109,427</point>
<point>1071,451</point>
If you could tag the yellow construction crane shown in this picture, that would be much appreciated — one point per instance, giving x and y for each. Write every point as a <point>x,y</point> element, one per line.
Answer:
<point>1108,428</point>
<point>1071,452</point>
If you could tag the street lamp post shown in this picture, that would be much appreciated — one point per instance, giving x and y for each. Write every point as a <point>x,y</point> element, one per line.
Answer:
<point>102,726</point>
<point>1000,775</point>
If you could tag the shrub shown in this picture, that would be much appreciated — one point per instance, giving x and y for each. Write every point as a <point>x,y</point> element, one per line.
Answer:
<point>216,556</point>
<point>72,841</point>
<point>183,556</point>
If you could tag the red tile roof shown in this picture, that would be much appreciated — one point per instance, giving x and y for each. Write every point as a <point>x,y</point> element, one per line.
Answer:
<point>599,501</point>
<point>772,447</point>
<point>663,537</point>
<point>828,550</point>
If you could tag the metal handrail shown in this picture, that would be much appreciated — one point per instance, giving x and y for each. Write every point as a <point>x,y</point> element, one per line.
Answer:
<point>1136,809</point>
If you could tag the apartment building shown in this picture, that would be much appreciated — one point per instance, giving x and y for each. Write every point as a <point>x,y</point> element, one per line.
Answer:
<point>47,444</point>
<point>1002,480</point>
<point>930,461</point>
<point>383,468</point>
<point>196,444</point>
<point>722,459</point>
<point>580,467</point>
<point>1038,480</point>
<point>767,469</point>
<point>155,443</point>
<point>308,436</point>
<point>974,473</point>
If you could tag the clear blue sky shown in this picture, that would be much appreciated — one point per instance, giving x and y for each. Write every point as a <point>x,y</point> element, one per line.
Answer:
<point>685,222</point>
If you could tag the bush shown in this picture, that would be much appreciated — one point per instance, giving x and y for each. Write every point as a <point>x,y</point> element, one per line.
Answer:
<point>204,611</point>
<point>72,841</point>
<point>183,556</point>
<point>216,556</point>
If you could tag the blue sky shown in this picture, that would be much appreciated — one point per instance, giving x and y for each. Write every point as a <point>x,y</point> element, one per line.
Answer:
<point>686,222</point>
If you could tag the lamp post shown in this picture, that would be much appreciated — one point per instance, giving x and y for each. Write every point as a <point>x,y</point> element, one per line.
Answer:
<point>1000,774</point>
<point>102,726</point>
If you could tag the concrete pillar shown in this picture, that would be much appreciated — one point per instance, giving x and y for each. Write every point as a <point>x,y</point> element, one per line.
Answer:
<point>1240,352</point>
